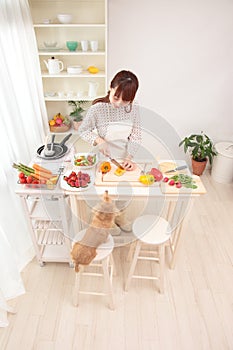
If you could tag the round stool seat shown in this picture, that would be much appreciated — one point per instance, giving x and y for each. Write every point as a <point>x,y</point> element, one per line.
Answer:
<point>103,249</point>
<point>151,229</point>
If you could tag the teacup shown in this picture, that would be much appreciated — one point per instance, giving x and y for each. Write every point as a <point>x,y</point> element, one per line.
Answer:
<point>72,45</point>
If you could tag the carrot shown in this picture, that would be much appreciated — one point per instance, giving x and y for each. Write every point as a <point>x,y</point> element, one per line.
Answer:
<point>39,177</point>
<point>41,169</point>
<point>43,174</point>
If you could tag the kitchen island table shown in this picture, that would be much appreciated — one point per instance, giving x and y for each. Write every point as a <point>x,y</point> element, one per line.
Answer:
<point>172,204</point>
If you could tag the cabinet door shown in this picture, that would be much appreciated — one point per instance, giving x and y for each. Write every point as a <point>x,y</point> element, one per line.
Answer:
<point>88,23</point>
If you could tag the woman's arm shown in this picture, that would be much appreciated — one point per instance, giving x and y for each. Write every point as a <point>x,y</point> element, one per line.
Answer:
<point>89,124</point>
<point>93,130</point>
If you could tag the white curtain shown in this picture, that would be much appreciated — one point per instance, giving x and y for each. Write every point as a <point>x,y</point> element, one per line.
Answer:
<point>23,124</point>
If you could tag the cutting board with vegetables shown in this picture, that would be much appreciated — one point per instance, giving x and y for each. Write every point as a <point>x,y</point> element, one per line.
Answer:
<point>189,184</point>
<point>111,179</point>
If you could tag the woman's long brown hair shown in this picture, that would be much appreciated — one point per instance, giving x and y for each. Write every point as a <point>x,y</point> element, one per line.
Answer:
<point>127,85</point>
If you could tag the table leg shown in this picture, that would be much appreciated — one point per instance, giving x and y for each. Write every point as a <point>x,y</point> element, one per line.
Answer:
<point>177,235</point>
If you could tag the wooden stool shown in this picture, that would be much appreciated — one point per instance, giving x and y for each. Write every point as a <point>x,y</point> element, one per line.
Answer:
<point>153,231</point>
<point>104,263</point>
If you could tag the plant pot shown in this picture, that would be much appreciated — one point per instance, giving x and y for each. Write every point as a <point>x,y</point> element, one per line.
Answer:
<point>198,167</point>
<point>76,125</point>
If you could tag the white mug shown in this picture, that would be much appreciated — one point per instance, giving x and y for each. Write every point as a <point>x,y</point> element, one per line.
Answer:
<point>84,45</point>
<point>94,45</point>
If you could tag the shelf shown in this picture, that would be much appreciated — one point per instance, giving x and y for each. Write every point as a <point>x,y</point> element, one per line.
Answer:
<point>56,253</point>
<point>50,237</point>
<point>46,209</point>
<point>63,52</point>
<point>84,74</point>
<point>71,25</point>
<point>74,98</point>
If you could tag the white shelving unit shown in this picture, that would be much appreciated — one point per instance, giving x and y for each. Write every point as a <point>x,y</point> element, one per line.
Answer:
<point>49,224</point>
<point>89,22</point>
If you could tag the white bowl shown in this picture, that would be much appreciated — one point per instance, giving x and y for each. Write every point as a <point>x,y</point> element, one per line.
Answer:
<point>74,69</point>
<point>84,164</point>
<point>64,18</point>
<point>50,43</point>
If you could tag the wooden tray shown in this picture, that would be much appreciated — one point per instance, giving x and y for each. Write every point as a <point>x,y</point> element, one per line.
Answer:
<point>167,189</point>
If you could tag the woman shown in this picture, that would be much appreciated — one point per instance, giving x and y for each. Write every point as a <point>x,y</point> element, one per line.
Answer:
<point>113,124</point>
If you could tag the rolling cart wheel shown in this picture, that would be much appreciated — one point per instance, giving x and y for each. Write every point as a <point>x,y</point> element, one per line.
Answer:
<point>71,264</point>
<point>42,264</point>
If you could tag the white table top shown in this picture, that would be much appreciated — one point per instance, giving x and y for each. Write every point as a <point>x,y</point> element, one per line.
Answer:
<point>122,192</point>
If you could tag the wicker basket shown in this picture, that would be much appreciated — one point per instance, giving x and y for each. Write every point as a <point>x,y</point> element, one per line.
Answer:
<point>58,129</point>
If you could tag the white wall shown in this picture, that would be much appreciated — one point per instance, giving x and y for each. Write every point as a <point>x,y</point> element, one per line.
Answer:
<point>182,52</point>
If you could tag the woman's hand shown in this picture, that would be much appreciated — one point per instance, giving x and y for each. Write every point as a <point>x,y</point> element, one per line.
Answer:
<point>128,165</point>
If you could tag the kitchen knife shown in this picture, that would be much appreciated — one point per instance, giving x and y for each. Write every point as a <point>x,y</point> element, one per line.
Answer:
<point>176,169</point>
<point>116,163</point>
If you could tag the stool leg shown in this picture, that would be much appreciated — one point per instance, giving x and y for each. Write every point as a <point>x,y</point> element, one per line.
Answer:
<point>133,265</point>
<point>161,265</point>
<point>77,286</point>
<point>107,279</point>
<point>131,251</point>
<point>113,266</point>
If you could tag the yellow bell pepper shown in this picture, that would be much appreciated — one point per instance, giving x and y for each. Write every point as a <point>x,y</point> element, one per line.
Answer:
<point>105,167</point>
<point>147,179</point>
<point>119,172</point>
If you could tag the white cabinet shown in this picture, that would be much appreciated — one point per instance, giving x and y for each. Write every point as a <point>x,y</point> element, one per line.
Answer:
<point>89,22</point>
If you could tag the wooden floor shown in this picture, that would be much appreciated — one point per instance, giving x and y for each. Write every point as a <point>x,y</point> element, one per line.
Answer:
<point>195,312</point>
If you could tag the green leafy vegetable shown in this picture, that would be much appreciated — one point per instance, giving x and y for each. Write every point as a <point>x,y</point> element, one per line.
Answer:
<point>185,180</point>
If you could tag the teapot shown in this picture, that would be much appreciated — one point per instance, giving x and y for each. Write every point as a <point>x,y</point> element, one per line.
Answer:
<point>54,66</point>
<point>92,90</point>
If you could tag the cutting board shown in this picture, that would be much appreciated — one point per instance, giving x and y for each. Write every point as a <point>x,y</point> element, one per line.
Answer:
<point>110,179</point>
<point>167,189</point>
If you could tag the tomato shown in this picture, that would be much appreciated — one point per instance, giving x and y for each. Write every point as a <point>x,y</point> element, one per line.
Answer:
<point>165,179</point>
<point>29,179</point>
<point>171,182</point>
<point>22,176</point>
<point>23,180</point>
<point>36,182</point>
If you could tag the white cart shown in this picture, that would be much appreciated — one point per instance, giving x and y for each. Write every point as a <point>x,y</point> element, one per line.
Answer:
<point>48,217</point>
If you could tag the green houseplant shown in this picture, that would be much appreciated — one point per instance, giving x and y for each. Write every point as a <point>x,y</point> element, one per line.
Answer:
<point>77,113</point>
<point>201,149</point>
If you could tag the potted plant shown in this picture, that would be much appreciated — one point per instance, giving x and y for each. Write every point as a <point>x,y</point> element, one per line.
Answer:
<point>77,113</point>
<point>201,149</point>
